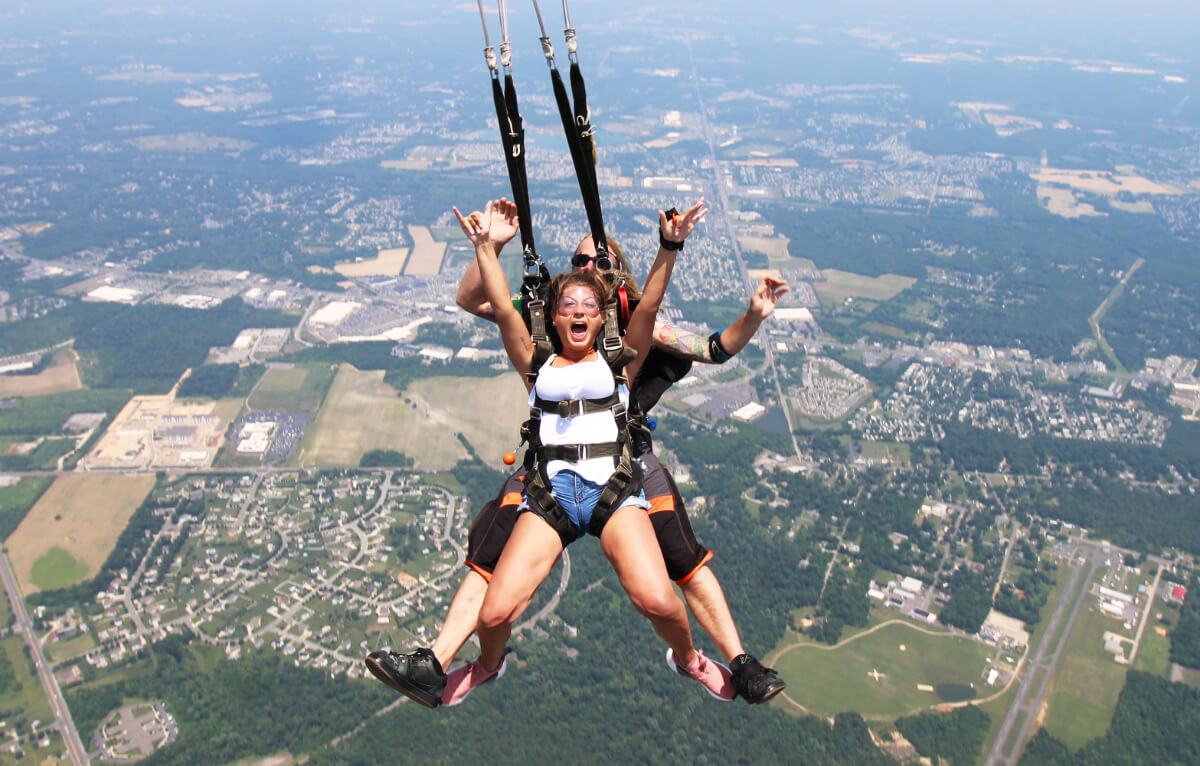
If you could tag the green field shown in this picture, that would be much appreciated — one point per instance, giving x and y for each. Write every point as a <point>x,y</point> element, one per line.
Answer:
<point>1086,682</point>
<point>894,451</point>
<point>299,388</point>
<point>827,681</point>
<point>58,651</point>
<point>57,568</point>
<point>16,500</point>
<point>29,698</point>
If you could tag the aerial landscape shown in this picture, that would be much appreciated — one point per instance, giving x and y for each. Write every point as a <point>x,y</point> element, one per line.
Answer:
<point>246,425</point>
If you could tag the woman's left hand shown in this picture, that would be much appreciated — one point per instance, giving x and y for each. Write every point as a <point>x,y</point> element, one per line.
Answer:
<point>679,226</point>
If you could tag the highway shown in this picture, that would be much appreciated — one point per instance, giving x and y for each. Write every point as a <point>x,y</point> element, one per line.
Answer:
<point>58,705</point>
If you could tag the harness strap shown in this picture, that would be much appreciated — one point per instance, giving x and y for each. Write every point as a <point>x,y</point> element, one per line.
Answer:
<point>573,453</point>
<point>567,408</point>
<point>512,138</point>
<point>539,336</point>
<point>612,349</point>
<point>576,122</point>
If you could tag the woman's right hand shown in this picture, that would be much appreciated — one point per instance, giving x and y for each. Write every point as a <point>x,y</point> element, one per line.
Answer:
<point>495,225</point>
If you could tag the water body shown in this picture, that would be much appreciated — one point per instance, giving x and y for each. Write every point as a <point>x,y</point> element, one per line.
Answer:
<point>955,692</point>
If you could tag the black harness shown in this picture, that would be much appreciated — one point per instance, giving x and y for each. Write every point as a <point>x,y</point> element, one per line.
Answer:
<point>626,478</point>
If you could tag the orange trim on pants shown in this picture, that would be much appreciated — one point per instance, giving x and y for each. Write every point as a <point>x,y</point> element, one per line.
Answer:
<point>707,558</point>
<point>662,503</point>
<point>488,575</point>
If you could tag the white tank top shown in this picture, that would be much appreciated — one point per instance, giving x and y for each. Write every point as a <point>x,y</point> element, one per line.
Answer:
<point>582,380</point>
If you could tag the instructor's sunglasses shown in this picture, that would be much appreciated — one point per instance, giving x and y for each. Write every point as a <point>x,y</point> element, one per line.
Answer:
<point>603,262</point>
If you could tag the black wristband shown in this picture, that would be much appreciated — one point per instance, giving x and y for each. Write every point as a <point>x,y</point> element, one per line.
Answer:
<point>716,349</point>
<point>667,244</point>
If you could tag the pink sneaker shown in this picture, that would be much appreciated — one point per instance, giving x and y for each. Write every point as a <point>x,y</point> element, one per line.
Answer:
<point>715,677</point>
<point>464,679</point>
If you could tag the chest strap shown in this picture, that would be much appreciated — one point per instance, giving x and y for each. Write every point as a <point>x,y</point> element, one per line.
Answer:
<point>573,453</point>
<point>568,408</point>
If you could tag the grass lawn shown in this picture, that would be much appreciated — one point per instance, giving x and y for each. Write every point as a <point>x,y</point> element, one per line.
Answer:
<point>62,650</point>
<point>57,569</point>
<point>299,388</point>
<point>30,697</point>
<point>16,500</point>
<point>1154,653</point>
<point>1086,682</point>
<point>828,680</point>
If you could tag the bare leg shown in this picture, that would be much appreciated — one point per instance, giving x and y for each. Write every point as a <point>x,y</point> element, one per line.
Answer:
<point>461,618</point>
<point>707,602</point>
<point>629,543</point>
<point>528,558</point>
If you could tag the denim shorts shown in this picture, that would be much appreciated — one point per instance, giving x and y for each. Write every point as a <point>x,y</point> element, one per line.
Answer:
<point>578,497</point>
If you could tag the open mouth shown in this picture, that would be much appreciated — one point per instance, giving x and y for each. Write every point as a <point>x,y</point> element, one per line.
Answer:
<point>579,331</point>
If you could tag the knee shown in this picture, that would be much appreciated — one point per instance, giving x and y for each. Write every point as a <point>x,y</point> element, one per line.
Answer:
<point>657,603</point>
<point>494,615</point>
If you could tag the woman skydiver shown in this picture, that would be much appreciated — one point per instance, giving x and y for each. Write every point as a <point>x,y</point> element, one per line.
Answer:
<point>420,674</point>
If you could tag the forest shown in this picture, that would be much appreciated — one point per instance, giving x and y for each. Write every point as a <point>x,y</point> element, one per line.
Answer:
<point>957,736</point>
<point>1185,636</point>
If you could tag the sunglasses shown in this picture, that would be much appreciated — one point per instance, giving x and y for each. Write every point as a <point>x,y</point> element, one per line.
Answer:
<point>602,262</point>
<point>591,307</point>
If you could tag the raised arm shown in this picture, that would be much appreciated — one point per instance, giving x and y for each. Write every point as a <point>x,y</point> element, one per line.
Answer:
<point>479,229</point>
<point>686,344</point>
<point>471,296</point>
<point>675,229</point>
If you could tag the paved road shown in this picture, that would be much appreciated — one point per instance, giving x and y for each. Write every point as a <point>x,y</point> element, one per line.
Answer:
<point>723,212</point>
<point>57,704</point>
<point>1029,697</point>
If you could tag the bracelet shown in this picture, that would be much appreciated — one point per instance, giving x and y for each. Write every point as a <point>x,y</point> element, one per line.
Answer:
<point>667,244</point>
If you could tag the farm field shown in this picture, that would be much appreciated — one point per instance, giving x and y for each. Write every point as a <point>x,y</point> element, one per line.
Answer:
<point>17,499</point>
<point>876,673</point>
<point>362,413</point>
<point>293,388</point>
<point>80,514</point>
<point>839,285</point>
<point>60,376</point>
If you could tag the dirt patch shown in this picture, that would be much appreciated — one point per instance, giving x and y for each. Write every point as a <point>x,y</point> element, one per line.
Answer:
<point>387,263</point>
<point>361,413</point>
<point>60,376</point>
<point>1101,181</point>
<point>775,248</point>
<point>427,253</point>
<point>844,284</point>
<point>81,514</point>
<point>1062,202</point>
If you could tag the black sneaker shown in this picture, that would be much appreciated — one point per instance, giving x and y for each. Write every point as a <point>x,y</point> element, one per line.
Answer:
<point>417,675</point>
<point>754,682</point>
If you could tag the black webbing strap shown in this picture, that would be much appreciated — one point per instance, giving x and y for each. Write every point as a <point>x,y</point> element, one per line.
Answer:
<point>543,347</point>
<point>612,348</point>
<point>512,138</point>
<point>567,408</point>
<point>577,126</point>
<point>573,453</point>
